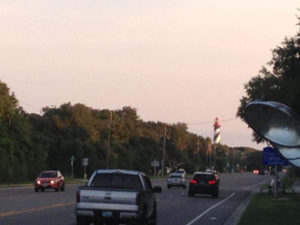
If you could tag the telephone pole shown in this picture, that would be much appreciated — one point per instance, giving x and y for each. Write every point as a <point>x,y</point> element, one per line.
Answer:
<point>198,154</point>
<point>164,152</point>
<point>109,137</point>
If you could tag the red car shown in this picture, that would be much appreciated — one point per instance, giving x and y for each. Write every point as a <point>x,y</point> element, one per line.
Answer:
<point>50,179</point>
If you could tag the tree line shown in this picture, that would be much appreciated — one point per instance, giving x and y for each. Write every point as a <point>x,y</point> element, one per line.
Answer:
<point>30,143</point>
<point>278,81</point>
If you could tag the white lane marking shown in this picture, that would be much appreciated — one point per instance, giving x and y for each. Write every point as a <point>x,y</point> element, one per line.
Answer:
<point>209,209</point>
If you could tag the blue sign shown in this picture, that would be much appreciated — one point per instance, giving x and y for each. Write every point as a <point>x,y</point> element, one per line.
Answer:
<point>272,157</point>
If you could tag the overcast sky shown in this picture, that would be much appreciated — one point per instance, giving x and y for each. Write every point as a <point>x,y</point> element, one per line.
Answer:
<point>173,60</point>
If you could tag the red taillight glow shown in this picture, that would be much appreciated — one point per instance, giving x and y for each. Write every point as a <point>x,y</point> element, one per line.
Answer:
<point>212,182</point>
<point>192,181</point>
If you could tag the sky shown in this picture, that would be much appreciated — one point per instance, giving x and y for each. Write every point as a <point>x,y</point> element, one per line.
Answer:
<point>173,60</point>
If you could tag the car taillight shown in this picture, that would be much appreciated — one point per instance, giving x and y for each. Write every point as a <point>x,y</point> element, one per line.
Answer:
<point>138,199</point>
<point>192,181</point>
<point>212,182</point>
<point>78,196</point>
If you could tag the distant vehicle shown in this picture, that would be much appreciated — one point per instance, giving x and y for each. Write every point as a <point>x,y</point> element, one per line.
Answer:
<point>204,183</point>
<point>50,179</point>
<point>255,171</point>
<point>180,170</point>
<point>117,196</point>
<point>176,179</point>
<point>214,172</point>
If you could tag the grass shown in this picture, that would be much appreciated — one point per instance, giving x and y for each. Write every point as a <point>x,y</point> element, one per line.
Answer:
<point>288,181</point>
<point>70,180</point>
<point>264,209</point>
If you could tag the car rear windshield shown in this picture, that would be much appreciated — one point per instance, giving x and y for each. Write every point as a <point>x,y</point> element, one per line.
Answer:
<point>175,176</point>
<point>116,180</point>
<point>48,174</point>
<point>203,177</point>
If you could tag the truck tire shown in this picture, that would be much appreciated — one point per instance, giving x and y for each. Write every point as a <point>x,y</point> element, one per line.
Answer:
<point>80,220</point>
<point>153,219</point>
<point>143,219</point>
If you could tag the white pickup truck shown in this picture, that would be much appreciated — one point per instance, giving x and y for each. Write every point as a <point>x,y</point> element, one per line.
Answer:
<point>117,197</point>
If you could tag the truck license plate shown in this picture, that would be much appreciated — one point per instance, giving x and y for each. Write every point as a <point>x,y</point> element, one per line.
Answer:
<point>107,214</point>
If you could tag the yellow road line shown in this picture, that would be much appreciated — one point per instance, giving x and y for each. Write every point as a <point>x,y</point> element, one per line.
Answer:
<point>11,213</point>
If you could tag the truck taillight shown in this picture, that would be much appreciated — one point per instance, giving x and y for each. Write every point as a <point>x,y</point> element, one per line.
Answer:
<point>78,196</point>
<point>138,199</point>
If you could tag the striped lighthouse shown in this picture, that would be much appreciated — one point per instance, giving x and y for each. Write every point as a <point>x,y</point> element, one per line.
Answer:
<point>217,131</point>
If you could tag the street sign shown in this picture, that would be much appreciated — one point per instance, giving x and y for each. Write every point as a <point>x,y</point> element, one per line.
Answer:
<point>272,157</point>
<point>85,161</point>
<point>155,163</point>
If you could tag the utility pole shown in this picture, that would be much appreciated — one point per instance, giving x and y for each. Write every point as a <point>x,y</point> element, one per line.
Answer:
<point>198,154</point>
<point>109,137</point>
<point>164,151</point>
<point>210,156</point>
<point>72,165</point>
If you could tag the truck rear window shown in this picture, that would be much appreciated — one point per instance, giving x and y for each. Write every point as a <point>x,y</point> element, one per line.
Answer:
<point>116,180</point>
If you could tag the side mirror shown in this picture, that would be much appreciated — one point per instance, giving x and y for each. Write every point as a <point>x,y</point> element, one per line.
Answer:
<point>157,189</point>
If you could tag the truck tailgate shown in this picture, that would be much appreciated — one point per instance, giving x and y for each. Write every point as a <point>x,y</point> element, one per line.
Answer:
<point>108,199</point>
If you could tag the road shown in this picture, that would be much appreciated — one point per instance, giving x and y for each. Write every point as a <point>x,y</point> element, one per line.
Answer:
<point>23,206</point>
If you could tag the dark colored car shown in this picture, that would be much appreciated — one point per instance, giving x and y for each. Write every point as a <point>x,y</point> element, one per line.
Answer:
<point>204,183</point>
<point>50,179</point>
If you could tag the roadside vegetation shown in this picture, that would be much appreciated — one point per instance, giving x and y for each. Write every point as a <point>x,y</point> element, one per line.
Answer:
<point>30,143</point>
<point>264,209</point>
<point>279,80</point>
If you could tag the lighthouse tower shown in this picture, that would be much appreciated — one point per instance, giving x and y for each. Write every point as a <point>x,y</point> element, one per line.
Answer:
<point>217,131</point>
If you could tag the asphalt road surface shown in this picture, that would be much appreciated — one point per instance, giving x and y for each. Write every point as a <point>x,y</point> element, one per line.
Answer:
<point>22,206</point>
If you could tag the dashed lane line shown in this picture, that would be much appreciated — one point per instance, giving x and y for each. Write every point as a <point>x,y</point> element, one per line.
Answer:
<point>209,209</point>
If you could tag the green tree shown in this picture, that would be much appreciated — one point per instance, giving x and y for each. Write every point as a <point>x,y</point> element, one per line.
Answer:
<point>280,81</point>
